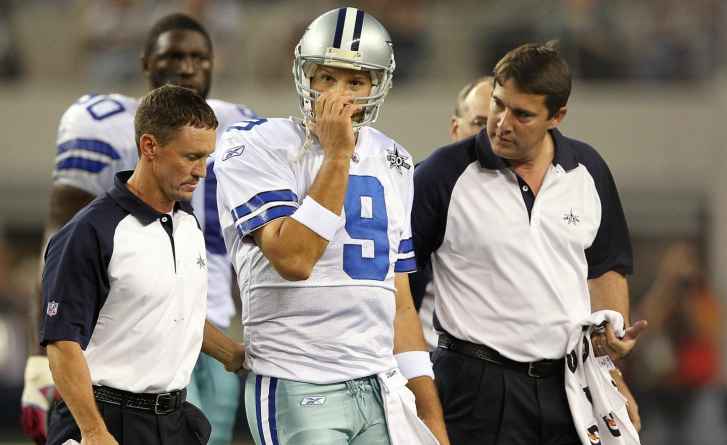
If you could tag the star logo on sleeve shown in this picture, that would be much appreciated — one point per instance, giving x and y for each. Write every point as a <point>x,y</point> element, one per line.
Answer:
<point>201,262</point>
<point>397,159</point>
<point>571,218</point>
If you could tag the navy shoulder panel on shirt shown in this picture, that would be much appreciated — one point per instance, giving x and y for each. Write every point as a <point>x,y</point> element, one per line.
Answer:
<point>75,280</point>
<point>434,179</point>
<point>611,249</point>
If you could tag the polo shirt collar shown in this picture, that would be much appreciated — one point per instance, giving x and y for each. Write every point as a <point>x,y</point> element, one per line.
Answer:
<point>564,152</point>
<point>135,206</point>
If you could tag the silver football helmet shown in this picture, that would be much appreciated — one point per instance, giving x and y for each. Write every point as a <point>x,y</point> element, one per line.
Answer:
<point>345,38</point>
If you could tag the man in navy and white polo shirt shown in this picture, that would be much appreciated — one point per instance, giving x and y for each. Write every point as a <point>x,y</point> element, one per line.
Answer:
<point>527,237</point>
<point>125,291</point>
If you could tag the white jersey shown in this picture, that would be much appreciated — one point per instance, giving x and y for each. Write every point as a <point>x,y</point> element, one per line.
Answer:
<point>96,140</point>
<point>339,323</point>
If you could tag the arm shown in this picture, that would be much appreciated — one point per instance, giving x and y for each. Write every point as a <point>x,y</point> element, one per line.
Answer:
<point>37,396</point>
<point>73,379</point>
<point>610,291</point>
<point>222,348</point>
<point>65,201</point>
<point>291,246</point>
<point>408,336</point>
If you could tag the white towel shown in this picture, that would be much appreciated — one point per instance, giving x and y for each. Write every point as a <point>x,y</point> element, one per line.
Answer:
<point>405,427</point>
<point>598,408</point>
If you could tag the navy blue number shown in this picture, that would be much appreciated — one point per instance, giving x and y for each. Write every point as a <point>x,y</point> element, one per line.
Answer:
<point>372,227</point>
<point>105,108</point>
<point>248,124</point>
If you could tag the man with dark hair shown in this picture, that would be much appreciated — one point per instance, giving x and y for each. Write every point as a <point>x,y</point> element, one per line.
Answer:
<point>527,238</point>
<point>95,141</point>
<point>124,291</point>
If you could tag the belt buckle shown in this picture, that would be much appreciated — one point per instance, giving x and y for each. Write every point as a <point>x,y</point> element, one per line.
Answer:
<point>532,371</point>
<point>169,398</point>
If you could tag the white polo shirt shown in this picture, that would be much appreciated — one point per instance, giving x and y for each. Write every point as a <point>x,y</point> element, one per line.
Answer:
<point>129,285</point>
<point>511,270</point>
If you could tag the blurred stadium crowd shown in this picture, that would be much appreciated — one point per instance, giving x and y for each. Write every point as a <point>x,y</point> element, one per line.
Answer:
<point>677,370</point>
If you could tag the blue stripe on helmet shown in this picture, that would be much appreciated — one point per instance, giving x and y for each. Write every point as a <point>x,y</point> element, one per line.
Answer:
<point>339,28</point>
<point>357,30</point>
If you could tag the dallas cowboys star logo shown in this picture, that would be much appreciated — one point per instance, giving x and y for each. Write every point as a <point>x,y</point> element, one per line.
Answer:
<point>201,262</point>
<point>397,160</point>
<point>571,218</point>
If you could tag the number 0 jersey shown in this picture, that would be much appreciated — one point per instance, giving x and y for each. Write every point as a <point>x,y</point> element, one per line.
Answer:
<point>96,140</point>
<point>337,324</point>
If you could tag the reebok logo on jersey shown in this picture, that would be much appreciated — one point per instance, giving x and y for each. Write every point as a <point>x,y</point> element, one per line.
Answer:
<point>52,308</point>
<point>397,160</point>
<point>234,151</point>
<point>313,401</point>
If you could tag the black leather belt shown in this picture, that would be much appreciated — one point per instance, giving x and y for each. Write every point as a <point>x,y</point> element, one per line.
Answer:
<point>539,369</point>
<point>162,403</point>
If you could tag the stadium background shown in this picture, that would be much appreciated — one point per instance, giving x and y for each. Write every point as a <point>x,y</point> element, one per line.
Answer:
<point>650,94</point>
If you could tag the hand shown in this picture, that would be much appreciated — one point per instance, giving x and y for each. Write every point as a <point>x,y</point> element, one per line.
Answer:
<point>436,426</point>
<point>237,361</point>
<point>39,392</point>
<point>632,408</point>
<point>102,437</point>
<point>333,124</point>
<point>617,348</point>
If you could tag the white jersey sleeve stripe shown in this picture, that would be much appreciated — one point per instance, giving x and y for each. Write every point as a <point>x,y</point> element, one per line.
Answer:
<point>406,246</point>
<point>90,145</point>
<point>269,214</point>
<point>259,200</point>
<point>405,258</point>
<point>77,163</point>
<point>406,265</point>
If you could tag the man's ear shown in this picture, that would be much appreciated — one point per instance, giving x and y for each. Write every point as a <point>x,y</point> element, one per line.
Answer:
<point>558,118</point>
<point>453,127</point>
<point>148,146</point>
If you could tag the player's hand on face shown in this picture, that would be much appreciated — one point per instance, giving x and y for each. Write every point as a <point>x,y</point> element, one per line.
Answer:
<point>333,124</point>
<point>607,343</point>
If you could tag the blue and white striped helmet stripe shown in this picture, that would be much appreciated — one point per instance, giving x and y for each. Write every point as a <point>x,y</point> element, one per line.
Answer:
<point>348,28</point>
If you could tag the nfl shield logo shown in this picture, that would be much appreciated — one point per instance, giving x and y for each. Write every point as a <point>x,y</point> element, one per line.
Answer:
<point>52,308</point>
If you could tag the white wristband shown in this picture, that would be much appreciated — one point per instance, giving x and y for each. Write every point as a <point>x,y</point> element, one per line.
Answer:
<point>414,364</point>
<point>318,218</point>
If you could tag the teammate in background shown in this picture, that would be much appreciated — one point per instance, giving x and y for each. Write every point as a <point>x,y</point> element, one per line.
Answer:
<point>469,117</point>
<point>316,215</point>
<point>95,141</point>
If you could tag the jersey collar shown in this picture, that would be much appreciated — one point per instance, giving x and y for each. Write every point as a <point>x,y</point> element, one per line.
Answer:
<point>564,152</point>
<point>135,206</point>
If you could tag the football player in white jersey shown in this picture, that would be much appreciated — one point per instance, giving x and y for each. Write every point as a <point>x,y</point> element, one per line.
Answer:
<point>316,216</point>
<point>95,141</point>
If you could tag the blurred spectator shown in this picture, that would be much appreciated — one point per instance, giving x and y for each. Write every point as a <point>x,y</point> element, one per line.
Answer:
<point>677,368</point>
<point>407,23</point>
<point>113,32</point>
<point>589,38</point>
<point>15,272</point>
<point>11,66</point>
